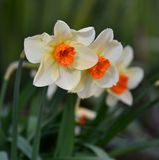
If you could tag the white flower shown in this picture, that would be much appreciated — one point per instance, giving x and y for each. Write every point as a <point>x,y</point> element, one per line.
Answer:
<point>129,78</point>
<point>104,74</point>
<point>82,114</point>
<point>61,56</point>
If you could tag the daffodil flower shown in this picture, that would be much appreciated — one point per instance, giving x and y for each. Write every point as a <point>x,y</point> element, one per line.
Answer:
<point>129,78</point>
<point>62,56</point>
<point>82,114</point>
<point>104,74</point>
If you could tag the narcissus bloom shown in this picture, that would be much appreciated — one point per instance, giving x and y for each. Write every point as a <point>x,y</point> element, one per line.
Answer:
<point>84,114</point>
<point>62,56</point>
<point>129,78</point>
<point>104,73</point>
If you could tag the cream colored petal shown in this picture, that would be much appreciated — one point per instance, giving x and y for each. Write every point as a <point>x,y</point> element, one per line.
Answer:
<point>47,72</point>
<point>85,58</point>
<point>125,97</point>
<point>81,84</point>
<point>136,75</point>
<point>100,42</point>
<point>51,90</point>
<point>35,47</point>
<point>68,78</point>
<point>110,78</point>
<point>126,56</point>
<point>89,114</point>
<point>84,36</point>
<point>62,30</point>
<point>90,89</point>
<point>111,100</point>
<point>113,51</point>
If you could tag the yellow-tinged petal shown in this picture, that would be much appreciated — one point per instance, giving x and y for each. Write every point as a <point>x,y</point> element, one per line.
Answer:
<point>89,89</point>
<point>35,47</point>
<point>68,78</point>
<point>100,42</point>
<point>84,36</point>
<point>135,75</point>
<point>125,97</point>
<point>85,58</point>
<point>110,78</point>
<point>47,73</point>
<point>62,30</point>
<point>112,51</point>
<point>111,100</point>
<point>126,57</point>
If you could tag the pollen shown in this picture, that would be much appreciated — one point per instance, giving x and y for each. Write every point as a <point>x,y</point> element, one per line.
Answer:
<point>64,54</point>
<point>121,85</point>
<point>99,70</point>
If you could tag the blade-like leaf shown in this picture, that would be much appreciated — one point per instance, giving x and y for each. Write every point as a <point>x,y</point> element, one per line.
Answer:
<point>124,119</point>
<point>136,147</point>
<point>65,140</point>
<point>99,152</point>
<point>15,108</point>
<point>25,147</point>
<point>36,144</point>
<point>77,158</point>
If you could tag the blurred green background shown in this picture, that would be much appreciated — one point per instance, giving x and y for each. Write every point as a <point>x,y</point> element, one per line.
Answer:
<point>135,22</point>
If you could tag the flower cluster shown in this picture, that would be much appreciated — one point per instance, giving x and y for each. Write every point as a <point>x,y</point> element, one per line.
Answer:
<point>79,63</point>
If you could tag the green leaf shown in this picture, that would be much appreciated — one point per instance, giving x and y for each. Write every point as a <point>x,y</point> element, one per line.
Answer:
<point>99,152</point>
<point>65,142</point>
<point>133,148</point>
<point>25,147</point>
<point>15,108</point>
<point>124,119</point>
<point>38,127</point>
<point>77,158</point>
<point>3,155</point>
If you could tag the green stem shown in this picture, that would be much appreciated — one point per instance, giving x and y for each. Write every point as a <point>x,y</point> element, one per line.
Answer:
<point>11,68</point>
<point>2,94</point>
<point>38,128</point>
<point>15,108</point>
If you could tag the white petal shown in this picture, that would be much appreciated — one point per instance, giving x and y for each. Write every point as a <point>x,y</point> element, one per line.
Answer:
<point>126,57</point>
<point>62,30</point>
<point>47,72</point>
<point>100,42</point>
<point>85,58</point>
<point>125,97</point>
<point>113,51</point>
<point>111,100</point>
<point>89,114</point>
<point>35,47</point>
<point>51,90</point>
<point>110,78</point>
<point>90,89</point>
<point>80,85</point>
<point>68,78</point>
<point>85,35</point>
<point>136,75</point>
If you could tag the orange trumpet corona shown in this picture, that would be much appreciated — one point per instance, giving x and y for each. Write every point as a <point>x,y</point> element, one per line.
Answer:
<point>64,54</point>
<point>98,70</point>
<point>121,86</point>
